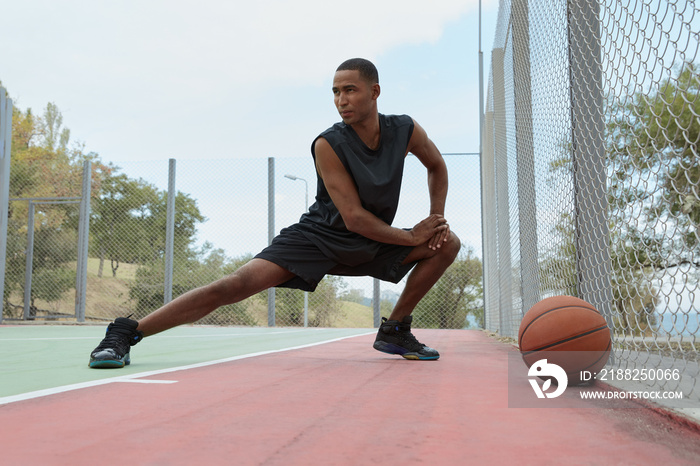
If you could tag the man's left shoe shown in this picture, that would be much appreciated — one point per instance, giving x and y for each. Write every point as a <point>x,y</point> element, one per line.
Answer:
<point>113,350</point>
<point>395,337</point>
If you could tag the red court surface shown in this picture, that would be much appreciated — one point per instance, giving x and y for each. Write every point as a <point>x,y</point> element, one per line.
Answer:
<point>340,403</point>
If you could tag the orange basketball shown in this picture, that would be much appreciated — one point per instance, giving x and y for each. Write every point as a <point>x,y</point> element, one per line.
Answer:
<point>567,331</point>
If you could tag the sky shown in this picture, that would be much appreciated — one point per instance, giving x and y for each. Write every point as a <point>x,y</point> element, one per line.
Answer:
<point>210,82</point>
<point>142,81</point>
<point>159,79</point>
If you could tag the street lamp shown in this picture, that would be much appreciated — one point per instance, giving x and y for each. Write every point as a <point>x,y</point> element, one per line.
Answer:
<point>306,206</point>
<point>306,185</point>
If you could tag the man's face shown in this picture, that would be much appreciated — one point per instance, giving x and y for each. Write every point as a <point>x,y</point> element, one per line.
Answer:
<point>354,97</point>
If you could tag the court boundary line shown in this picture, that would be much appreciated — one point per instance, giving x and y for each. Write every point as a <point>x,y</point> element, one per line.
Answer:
<point>127,378</point>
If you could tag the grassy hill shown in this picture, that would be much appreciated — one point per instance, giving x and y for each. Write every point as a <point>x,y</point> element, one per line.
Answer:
<point>355,315</point>
<point>107,297</point>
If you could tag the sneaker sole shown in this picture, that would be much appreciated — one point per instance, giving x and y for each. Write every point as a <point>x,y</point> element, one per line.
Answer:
<point>418,357</point>
<point>390,348</point>
<point>108,363</point>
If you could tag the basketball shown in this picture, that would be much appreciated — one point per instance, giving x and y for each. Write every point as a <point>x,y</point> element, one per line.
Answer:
<point>567,331</point>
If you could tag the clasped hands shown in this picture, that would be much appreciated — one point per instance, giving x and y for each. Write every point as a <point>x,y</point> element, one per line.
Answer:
<point>434,230</point>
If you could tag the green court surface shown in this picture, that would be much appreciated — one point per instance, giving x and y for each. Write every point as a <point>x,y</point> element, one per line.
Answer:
<point>46,357</point>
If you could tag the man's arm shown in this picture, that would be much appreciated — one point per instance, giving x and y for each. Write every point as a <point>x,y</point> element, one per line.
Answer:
<point>429,155</point>
<point>357,219</point>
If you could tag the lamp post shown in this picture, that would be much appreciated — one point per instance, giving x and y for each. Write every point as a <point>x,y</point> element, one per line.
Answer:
<point>306,185</point>
<point>306,206</point>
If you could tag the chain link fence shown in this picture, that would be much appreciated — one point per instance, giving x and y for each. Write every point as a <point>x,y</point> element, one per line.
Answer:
<point>221,219</point>
<point>591,167</point>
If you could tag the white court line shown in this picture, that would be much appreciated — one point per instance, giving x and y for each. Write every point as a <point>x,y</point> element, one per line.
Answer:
<point>147,381</point>
<point>129,378</point>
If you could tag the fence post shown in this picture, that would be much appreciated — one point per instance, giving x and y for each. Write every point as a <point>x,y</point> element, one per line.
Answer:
<point>270,233</point>
<point>5,146</point>
<point>376,298</point>
<point>169,234</point>
<point>525,156</point>
<point>83,241</point>
<point>588,156</point>
<point>488,227</point>
<point>29,264</point>
<point>482,121</point>
<point>505,290</point>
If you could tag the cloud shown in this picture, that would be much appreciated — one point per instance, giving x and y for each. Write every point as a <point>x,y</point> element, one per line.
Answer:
<point>200,43</point>
<point>155,77</point>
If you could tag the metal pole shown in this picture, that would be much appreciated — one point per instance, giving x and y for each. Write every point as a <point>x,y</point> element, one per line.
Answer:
<point>5,146</point>
<point>306,206</point>
<point>29,261</point>
<point>589,171</point>
<point>169,235</point>
<point>484,281</point>
<point>505,295</point>
<point>270,233</point>
<point>306,293</point>
<point>525,156</point>
<point>83,242</point>
<point>481,87</point>
<point>488,222</point>
<point>376,297</point>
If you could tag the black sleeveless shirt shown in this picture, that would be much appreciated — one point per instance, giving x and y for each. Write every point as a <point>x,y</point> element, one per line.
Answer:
<point>377,175</point>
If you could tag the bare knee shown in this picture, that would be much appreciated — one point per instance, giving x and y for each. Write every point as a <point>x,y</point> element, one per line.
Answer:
<point>451,247</point>
<point>228,290</point>
<point>447,251</point>
<point>253,277</point>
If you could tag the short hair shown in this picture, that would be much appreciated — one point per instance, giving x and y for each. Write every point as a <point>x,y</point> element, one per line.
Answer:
<point>366,68</point>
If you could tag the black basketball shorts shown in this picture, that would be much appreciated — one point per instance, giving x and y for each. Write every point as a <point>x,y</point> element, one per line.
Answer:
<point>293,251</point>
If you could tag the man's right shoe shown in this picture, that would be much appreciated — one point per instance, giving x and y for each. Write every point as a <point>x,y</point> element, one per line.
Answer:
<point>395,337</point>
<point>113,350</point>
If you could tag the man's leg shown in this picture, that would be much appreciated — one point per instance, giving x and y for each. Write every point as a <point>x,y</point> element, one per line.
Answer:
<point>394,335</point>
<point>431,265</point>
<point>254,277</point>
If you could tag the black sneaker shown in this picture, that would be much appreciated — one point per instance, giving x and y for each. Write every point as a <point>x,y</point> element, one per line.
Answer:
<point>113,350</point>
<point>395,337</point>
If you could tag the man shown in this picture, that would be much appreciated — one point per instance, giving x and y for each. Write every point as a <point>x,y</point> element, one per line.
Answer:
<point>347,231</point>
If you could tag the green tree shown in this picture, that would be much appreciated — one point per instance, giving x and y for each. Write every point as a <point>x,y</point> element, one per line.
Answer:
<point>118,221</point>
<point>42,165</point>
<point>458,293</point>
<point>634,295</point>
<point>324,305</point>
<point>289,307</point>
<point>655,166</point>
<point>52,270</point>
<point>129,222</point>
<point>152,220</point>
<point>148,221</point>
<point>55,136</point>
<point>631,246</point>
